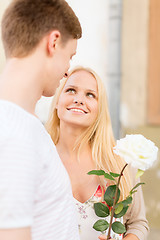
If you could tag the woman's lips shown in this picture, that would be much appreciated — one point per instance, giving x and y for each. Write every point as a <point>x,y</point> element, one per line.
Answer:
<point>80,110</point>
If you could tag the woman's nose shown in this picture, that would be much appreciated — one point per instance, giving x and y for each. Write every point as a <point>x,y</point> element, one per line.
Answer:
<point>78,100</point>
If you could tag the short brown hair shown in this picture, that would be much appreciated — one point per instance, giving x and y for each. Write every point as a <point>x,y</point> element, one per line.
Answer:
<point>26,22</point>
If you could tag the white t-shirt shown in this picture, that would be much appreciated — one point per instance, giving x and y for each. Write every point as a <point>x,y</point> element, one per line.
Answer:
<point>35,189</point>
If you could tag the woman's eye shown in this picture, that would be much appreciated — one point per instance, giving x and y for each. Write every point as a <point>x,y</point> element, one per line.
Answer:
<point>70,90</point>
<point>91,95</point>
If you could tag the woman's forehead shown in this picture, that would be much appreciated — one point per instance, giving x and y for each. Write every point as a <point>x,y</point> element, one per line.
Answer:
<point>82,78</point>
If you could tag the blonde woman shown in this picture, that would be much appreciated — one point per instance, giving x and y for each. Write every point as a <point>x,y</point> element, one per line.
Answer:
<point>80,126</point>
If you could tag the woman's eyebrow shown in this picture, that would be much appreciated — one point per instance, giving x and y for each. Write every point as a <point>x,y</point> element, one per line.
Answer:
<point>90,90</point>
<point>70,86</point>
<point>87,90</point>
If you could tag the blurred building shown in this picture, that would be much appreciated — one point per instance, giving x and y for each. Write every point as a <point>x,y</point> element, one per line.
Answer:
<point>140,89</point>
<point>121,42</point>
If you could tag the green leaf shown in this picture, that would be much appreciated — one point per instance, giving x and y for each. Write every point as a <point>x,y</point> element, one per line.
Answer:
<point>118,227</point>
<point>137,185</point>
<point>108,176</point>
<point>110,194</point>
<point>114,174</point>
<point>134,191</point>
<point>101,225</point>
<point>101,209</point>
<point>122,213</point>
<point>125,204</point>
<point>96,172</point>
<point>127,201</point>
<point>118,208</point>
<point>139,173</point>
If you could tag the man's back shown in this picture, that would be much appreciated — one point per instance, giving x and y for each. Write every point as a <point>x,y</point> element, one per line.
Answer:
<point>30,164</point>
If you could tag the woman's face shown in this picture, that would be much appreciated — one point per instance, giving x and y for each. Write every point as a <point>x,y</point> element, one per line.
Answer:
<point>78,101</point>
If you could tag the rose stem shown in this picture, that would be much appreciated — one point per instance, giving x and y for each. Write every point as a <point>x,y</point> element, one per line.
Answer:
<point>114,203</point>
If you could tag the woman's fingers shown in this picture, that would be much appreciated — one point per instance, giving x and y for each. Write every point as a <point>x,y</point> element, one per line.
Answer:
<point>104,237</point>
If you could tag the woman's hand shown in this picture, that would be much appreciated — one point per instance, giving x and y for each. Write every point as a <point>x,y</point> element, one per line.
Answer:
<point>129,236</point>
<point>104,237</point>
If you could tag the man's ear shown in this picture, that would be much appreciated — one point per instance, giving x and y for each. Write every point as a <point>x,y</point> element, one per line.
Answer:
<point>53,41</point>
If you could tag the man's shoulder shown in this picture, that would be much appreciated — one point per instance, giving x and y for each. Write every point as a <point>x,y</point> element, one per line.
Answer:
<point>15,122</point>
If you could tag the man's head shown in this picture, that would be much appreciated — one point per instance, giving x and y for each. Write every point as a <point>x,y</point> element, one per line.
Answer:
<point>26,22</point>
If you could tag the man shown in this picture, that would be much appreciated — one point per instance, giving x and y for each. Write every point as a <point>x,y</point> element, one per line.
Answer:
<point>40,38</point>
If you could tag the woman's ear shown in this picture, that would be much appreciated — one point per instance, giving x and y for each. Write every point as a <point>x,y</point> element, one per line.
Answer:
<point>53,41</point>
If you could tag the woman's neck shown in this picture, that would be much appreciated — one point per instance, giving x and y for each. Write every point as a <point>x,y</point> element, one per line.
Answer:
<point>67,141</point>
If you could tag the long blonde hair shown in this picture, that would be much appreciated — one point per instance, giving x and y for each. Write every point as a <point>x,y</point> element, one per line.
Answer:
<point>99,134</point>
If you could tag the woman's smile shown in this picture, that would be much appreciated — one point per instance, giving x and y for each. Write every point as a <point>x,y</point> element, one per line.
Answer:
<point>77,110</point>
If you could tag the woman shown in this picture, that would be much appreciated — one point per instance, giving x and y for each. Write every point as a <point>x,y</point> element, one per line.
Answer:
<point>80,127</point>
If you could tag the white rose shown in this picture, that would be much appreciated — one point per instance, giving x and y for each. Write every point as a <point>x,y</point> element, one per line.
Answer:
<point>137,151</point>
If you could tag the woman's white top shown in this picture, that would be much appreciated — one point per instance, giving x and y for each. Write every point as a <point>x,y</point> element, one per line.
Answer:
<point>87,217</point>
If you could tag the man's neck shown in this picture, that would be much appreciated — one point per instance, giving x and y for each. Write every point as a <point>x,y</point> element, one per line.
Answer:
<point>20,83</point>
